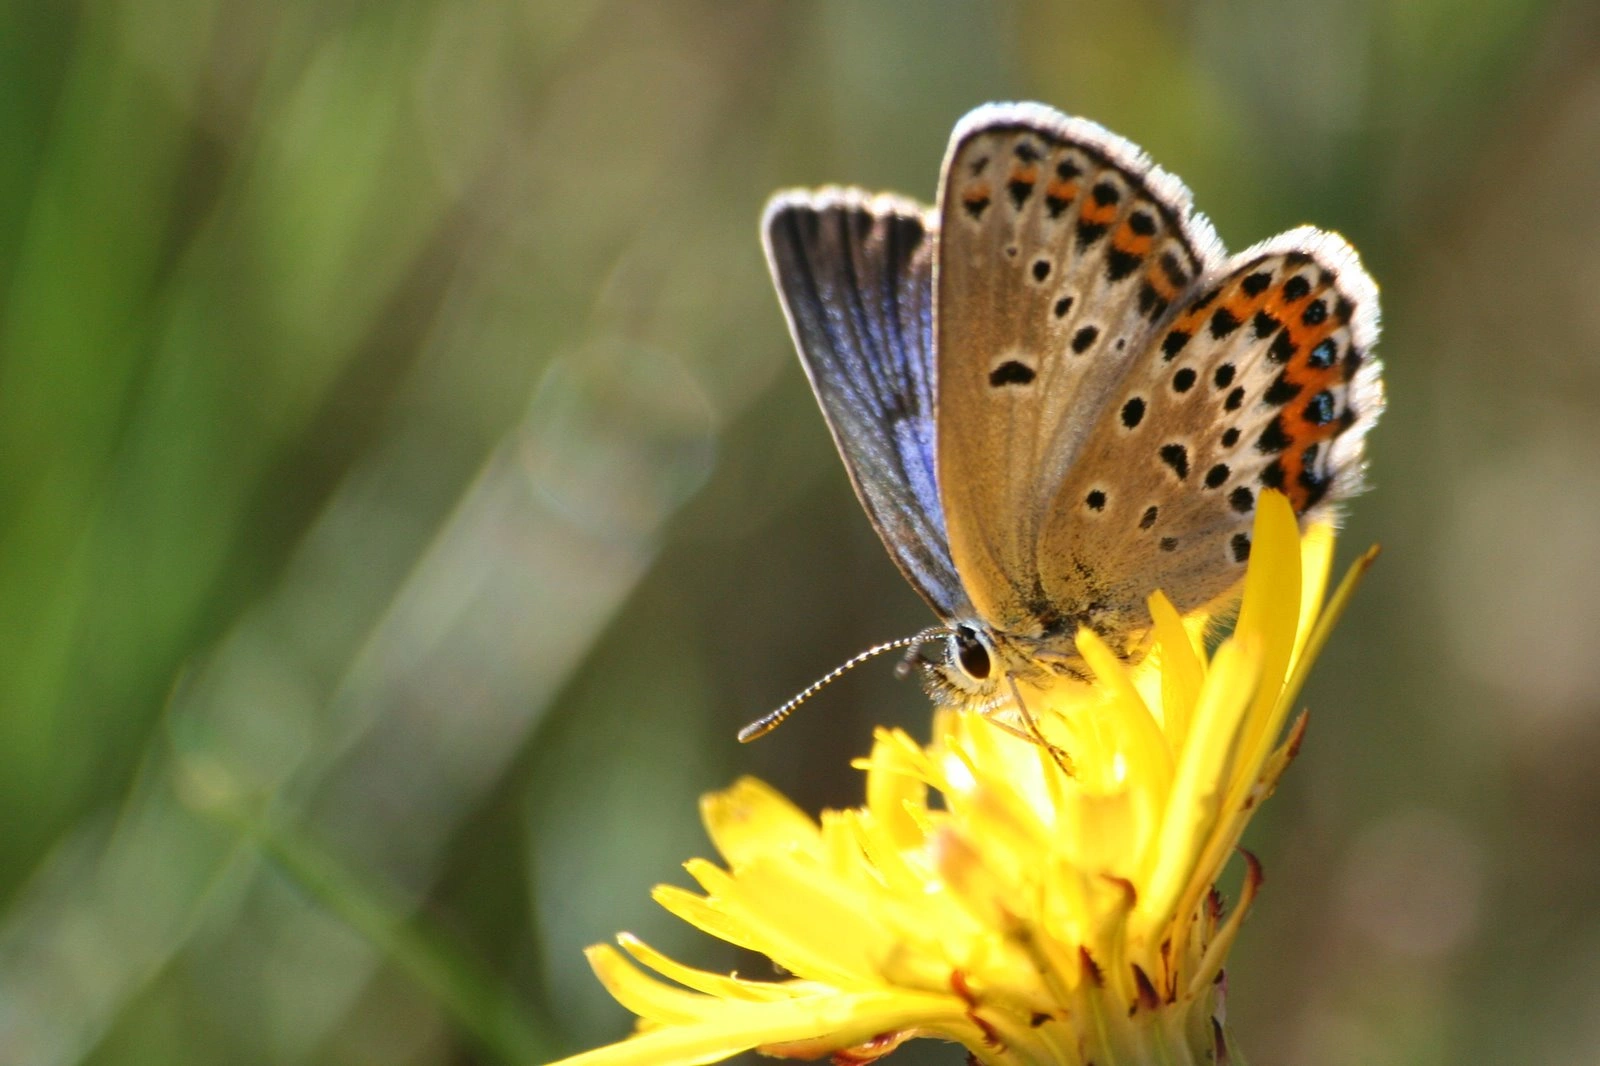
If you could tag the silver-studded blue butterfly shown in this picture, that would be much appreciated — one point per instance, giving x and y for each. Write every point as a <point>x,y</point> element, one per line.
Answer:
<point>1055,392</point>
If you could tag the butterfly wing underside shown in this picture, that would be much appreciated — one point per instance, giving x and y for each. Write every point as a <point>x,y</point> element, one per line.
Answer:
<point>1060,248</point>
<point>1262,378</point>
<point>855,274</point>
<point>1114,393</point>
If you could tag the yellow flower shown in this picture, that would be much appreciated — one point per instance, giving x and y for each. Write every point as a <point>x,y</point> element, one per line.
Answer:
<point>1032,916</point>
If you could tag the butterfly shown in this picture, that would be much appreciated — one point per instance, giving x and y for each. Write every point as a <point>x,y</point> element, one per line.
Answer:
<point>1055,392</point>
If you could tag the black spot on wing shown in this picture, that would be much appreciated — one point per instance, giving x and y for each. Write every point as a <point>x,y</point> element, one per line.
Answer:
<point>1282,349</point>
<point>1089,232</point>
<point>1281,391</point>
<point>1316,484</point>
<point>1177,457</point>
<point>1273,438</point>
<point>1151,303</point>
<point>1308,458</point>
<point>1319,409</point>
<point>1223,323</point>
<point>1256,283</point>
<point>1120,264</point>
<point>1173,270</point>
<point>1173,344</point>
<point>1011,372</point>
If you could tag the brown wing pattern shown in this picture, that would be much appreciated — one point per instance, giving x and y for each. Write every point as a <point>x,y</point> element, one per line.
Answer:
<point>1061,250</point>
<point>1264,378</point>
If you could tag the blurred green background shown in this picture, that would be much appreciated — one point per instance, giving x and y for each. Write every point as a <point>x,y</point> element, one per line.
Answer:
<point>407,488</point>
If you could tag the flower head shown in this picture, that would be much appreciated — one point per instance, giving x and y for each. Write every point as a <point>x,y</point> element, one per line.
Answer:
<point>1033,915</point>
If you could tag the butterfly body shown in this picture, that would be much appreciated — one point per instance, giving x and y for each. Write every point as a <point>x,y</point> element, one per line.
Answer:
<point>1055,393</point>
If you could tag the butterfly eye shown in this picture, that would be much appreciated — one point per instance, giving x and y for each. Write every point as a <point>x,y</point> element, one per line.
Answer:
<point>971,653</point>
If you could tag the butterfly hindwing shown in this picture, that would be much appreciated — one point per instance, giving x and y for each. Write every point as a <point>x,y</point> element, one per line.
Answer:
<point>1262,378</point>
<point>1061,249</point>
<point>855,273</point>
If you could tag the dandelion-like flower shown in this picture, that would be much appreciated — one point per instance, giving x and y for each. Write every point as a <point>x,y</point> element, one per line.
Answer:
<point>1031,915</point>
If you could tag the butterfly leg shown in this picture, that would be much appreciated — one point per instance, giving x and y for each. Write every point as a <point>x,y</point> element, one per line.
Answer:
<point>1032,733</point>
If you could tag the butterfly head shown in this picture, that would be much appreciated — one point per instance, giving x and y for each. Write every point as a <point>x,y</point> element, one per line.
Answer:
<point>971,665</point>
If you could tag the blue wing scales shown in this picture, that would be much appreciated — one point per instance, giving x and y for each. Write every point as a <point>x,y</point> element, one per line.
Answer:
<point>855,274</point>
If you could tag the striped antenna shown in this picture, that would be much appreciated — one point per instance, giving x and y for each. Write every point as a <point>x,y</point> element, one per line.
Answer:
<point>766,724</point>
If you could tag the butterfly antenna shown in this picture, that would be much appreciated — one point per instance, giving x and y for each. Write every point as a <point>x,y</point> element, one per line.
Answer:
<point>766,724</point>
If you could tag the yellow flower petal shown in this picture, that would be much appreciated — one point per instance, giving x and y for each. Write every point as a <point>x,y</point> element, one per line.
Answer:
<point>1182,669</point>
<point>1270,610</point>
<point>837,1020</point>
<point>645,997</point>
<point>1327,620</point>
<point>1316,562</point>
<point>752,817</point>
<point>808,919</point>
<point>897,790</point>
<point>1137,735</point>
<point>712,984</point>
<point>706,915</point>
<point>1199,786</point>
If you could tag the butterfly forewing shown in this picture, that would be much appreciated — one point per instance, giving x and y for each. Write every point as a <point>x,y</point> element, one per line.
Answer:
<point>856,278</point>
<point>1263,378</point>
<point>1061,249</point>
